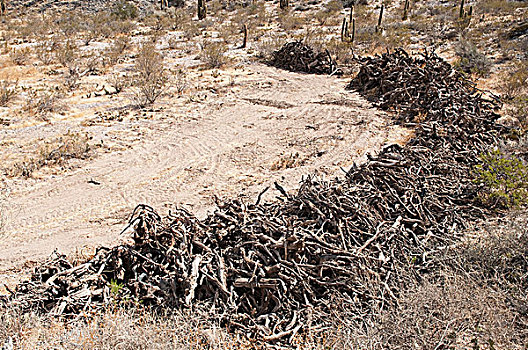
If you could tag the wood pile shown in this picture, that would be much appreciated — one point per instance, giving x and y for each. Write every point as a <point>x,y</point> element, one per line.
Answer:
<point>298,57</point>
<point>276,269</point>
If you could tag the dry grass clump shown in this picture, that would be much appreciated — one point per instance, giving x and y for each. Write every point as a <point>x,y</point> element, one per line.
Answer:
<point>289,21</point>
<point>514,81</point>
<point>117,328</point>
<point>268,44</point>
<point>56,152</point>
<point>514,88</point>
<point>118,82</point>
<point>498,257</point>
<point>3,211</point>
<point>66,53</point>
<point>449,313</point>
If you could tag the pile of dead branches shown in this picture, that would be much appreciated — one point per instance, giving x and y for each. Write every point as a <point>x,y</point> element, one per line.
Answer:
<point>276,269</point>
<point>424,88</point>
<point>298,57</point>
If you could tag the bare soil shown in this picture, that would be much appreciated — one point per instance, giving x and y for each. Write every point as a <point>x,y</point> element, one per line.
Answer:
<point>252,127</point>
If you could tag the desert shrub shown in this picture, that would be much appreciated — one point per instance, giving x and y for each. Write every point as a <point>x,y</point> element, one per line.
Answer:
<point>118,82</point>
<point>504,179</point>
<point>8,90</point>
<point>45,51</point>
<point>69,24</point>
<point>150,78</point>
<point>213,54</point>
<point>20,56</point>
<point>180,18</point>
<point>289,21</point>
<point>333,6</point>
<point>42,103</point>
<point>173,42</point>
<point>321,17</point>
<point>520,110</point>
<point>180,81</point>
<point>124,10</point>
<point>71,77</point>
<point>66,53</point>
<point>116,50</point>
<point>514,81</point>
<point>56,152</point>
<point>268,44</point>
<point>470,59</point>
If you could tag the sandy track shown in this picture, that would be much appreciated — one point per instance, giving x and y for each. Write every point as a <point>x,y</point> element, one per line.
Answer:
<point>236,144</point>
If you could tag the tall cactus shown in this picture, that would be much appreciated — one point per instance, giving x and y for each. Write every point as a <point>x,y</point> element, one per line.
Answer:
<point>406,10</point>
<point>380,19</point>
<point>462,13</point>
<point>353,35</point>
<point>346,34</point>
<point>202,9</point>
<point>344,29</point>
<point>245,30</point>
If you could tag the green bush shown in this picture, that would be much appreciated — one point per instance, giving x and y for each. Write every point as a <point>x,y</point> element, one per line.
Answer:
<point>124,10</point>
<point>504,178</point>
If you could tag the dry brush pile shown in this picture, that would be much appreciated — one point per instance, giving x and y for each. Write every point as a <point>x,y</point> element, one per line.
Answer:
<point>298,57</point>
<point>276,269</point>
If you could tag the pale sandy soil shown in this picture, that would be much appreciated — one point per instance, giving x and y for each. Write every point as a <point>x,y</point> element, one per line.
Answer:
<point>232,139</point>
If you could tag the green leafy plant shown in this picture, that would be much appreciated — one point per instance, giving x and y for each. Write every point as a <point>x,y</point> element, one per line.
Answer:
<point>504,178</point>
<point>115,287</point>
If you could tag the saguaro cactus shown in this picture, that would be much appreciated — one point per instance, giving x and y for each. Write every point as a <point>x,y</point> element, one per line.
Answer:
<point>380,19</point>
<point>344,29</point>
<point>202,9</point>
<point>406,10</point>
<point>462,13</point>
<point>245,30</point>
<point>3,7</point>
<point>346,34</point>
<point>284,4</point>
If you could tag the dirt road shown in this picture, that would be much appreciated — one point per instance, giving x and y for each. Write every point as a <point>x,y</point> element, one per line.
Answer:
<point>269,125</point>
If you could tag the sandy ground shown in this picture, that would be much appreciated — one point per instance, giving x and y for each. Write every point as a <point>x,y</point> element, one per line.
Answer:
<point>232,139</point>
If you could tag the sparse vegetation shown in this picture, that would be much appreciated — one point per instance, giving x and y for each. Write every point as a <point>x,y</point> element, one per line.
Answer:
<point>124,10</point>
<point>56,152</point>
